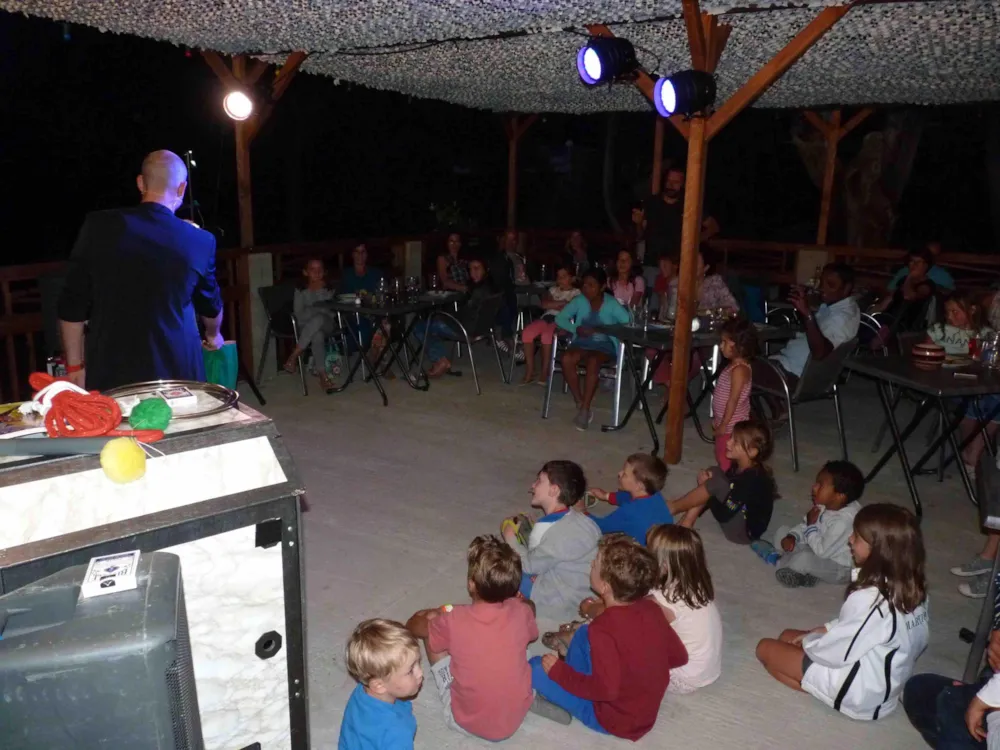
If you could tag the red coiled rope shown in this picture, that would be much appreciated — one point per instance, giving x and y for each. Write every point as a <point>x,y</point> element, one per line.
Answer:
<point>91,415</point>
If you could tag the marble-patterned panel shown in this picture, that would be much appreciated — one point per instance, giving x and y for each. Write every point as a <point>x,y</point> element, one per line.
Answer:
<point>60,505</point>
<point>234,595</point>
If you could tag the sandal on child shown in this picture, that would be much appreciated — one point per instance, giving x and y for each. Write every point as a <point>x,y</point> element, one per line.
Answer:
<point>792,579</point>
<point>555,642</point>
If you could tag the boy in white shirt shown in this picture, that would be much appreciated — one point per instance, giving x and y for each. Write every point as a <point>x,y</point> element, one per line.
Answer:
<point>816,549</point>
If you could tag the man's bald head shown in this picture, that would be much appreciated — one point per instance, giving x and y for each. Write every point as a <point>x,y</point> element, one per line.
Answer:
<point>163,179</point>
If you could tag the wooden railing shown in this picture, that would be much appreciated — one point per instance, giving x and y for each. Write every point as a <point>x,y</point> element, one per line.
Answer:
<point>27,313</point>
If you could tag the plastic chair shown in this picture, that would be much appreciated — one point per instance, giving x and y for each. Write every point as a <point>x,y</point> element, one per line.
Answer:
<point>819,381</point>
<point>482,328</point>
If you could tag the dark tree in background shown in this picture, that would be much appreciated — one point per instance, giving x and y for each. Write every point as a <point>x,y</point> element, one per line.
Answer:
<point>81,108</point>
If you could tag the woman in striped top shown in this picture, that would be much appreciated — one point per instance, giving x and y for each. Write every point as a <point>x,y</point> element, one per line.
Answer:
<point>731,399</point>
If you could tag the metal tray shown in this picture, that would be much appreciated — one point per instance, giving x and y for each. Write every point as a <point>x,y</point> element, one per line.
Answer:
<point>228,399</point>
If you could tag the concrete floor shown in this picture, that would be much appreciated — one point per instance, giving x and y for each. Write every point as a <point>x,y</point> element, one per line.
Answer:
<point>397,493</point>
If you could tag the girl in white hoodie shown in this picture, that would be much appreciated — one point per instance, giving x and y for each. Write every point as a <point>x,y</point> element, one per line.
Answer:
<point>857,664</point>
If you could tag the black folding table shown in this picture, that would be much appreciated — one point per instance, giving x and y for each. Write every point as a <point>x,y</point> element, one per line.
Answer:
<point>948,390</point>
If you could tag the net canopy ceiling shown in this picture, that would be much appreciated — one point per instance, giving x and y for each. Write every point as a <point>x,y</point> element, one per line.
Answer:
<point>519,55</point>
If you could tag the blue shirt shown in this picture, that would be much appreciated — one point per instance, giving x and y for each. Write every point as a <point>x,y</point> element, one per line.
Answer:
<point>371,724</point>
<point>635,517</point>
<point>938,275</point>
<point>351,283</point>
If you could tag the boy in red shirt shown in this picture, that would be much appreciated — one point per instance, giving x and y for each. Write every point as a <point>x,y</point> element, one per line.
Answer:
<point>478,651</point>
<point>618,667</point>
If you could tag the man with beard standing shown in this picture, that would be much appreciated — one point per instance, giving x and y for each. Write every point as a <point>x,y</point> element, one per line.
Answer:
<point>663,225</point>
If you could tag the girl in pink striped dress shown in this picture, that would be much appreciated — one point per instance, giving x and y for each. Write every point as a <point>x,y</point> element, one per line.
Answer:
<point>731,398</point>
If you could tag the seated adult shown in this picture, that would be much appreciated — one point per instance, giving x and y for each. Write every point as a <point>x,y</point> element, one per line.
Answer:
<point>940,276</point>
<point>433,336</point>
<point>834,323</point>
<point>452,270</point>
<point>362,279</point>
<point>951,714</point>
<point>906,307</point>
<point>711,289</point>
<point>575,255</point>
<point>506,268</point>
<point>712,293</point>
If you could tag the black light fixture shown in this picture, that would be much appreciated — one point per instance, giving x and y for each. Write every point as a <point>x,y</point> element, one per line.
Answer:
<point>684,93</point>
<point>605,59</point>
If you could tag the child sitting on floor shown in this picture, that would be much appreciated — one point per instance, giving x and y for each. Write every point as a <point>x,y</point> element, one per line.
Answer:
<point>741,499</point>
<point>731,397</point>
<point>545,327</point>
<point>686,594</point>
<point>562,543</point>
<point>640,504</point>
<point>478,651</point>
<point>816,549</point>
<point>384,658</point>
<point>858,663</point>
<point>618,667</point>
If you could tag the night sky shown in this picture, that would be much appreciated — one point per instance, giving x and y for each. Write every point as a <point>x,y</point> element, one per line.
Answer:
<point>81,108</point>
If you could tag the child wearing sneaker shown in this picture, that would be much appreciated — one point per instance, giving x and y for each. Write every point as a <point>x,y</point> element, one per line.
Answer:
<point>816,549</point>
<point>640,506</point>
<point>617,668</point>
<point>384,658</point>
<point>555,562</point>
<point>478,651</point>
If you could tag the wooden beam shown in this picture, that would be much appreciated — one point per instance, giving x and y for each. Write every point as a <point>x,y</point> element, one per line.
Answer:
<point>258,69</point>
<point>829,171</point>
<point>858,118</point>
<point>687,300</point>
<point>525,124</point>
<point>817,122</point>
<point>282,80</point>
<point>696,34</point>
<point>717,36</point>
<point>773,70</point>
<point>654,187</point>
<point>220,69</point>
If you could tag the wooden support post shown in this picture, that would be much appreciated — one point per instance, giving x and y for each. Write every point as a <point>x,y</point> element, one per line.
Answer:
<point>657,157</point>
<point>687,299</point>
<point>250,272</point>
<point>832,137</point>
<point>833,133</point>
<point>515,128</point>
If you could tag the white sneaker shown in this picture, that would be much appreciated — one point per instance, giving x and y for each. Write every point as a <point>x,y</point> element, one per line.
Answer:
<point>974,567</point>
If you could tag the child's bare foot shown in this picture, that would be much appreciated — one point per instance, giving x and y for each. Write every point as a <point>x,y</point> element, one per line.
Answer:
<point>528,377</point>
<point>291,366</point>
<point>439,368</point>
<point>558,642</point>
<point>325,383</point>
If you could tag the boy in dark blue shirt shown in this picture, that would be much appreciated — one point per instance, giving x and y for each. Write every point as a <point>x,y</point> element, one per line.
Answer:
<point>640,504</point>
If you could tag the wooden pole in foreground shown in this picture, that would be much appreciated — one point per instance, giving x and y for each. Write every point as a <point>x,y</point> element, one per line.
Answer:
<point>687,297</point>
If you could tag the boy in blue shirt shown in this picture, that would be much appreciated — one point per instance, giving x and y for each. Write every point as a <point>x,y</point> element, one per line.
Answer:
<point>384,657</point>
<point>640,504</point>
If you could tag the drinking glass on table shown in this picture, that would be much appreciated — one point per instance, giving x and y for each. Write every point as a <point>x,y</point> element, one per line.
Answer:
<point>432,282</point>
<point>974,347</point>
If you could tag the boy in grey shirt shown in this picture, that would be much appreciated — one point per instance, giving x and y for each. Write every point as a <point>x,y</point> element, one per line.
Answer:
<point>562,544</point>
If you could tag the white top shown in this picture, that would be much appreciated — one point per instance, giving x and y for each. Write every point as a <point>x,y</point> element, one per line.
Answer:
<point>828,536</point>
<point>837,322</point>
<point>867,643</point>
<point>559,295</point>
<point>990,695</point>
<point>700,630</point>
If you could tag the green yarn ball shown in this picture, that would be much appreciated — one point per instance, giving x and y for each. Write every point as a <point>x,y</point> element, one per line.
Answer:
<point>151,414</point>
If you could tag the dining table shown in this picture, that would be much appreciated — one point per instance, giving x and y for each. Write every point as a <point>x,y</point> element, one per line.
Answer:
<point>401,312</point>
<point>948,389</point>
<point>659,339</point>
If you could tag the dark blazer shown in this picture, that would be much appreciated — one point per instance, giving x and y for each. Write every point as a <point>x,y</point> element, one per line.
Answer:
<point>140,276</point>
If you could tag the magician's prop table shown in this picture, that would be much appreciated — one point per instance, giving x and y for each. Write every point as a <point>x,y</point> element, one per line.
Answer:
<point>224,497</point>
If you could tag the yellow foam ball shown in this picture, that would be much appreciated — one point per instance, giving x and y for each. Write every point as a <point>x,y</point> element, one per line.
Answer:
<point>123,460</point>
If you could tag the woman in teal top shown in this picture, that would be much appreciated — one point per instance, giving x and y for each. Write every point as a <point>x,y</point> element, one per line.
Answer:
<point>362,279</point>
<point>592,308</point>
